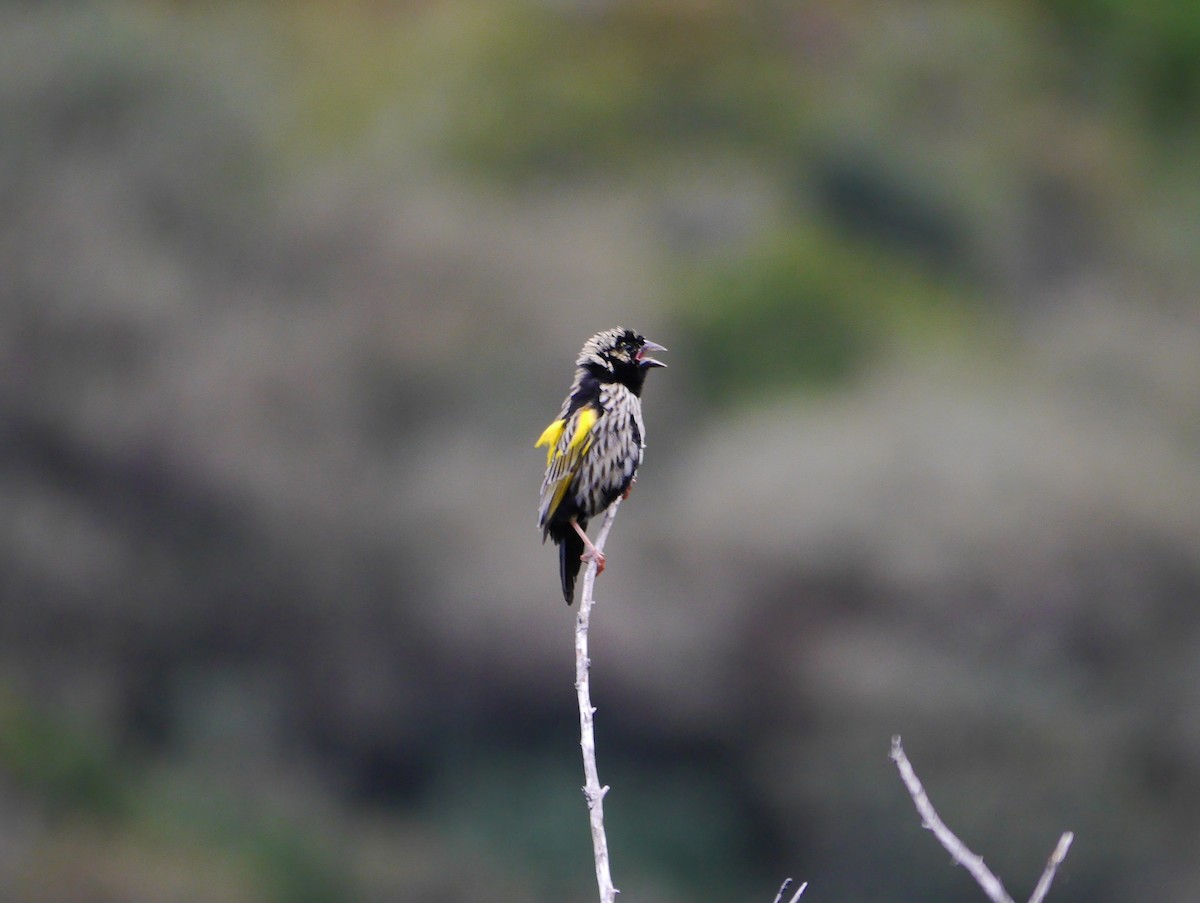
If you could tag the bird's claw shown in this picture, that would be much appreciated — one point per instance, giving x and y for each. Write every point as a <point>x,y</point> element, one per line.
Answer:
<point>597,556</point>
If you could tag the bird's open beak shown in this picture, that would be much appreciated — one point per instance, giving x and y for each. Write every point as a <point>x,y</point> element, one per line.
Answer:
<point>649,361</point>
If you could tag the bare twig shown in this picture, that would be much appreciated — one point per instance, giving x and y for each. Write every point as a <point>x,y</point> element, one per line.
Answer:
<point>983,876</point>
<point>956,848</point>
<point>587,740</point>
<point>783,889</point>
<point>1056,858</point>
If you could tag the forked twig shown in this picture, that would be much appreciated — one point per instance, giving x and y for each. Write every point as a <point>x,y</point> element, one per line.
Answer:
<point>958,851</point>
<point>783,889</point>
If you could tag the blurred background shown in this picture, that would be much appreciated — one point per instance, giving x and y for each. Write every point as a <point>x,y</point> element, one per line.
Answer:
<point>289,290</point>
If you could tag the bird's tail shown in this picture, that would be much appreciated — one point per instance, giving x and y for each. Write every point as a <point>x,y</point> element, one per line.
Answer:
<point>570,548</point>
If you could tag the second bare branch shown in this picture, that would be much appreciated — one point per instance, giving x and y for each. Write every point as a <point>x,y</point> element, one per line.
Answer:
<point>973,863</point>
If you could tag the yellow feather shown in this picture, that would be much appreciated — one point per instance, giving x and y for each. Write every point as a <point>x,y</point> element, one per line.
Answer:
<point>587,420</point>
<point>560,489</point>
<point>563,460</point>
<point>550,437</point>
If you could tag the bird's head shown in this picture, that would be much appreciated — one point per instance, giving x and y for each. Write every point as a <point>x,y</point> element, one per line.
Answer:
<point>619,355</point>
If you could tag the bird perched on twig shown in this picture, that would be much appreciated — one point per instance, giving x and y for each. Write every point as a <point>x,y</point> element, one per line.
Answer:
<point>595,446</point>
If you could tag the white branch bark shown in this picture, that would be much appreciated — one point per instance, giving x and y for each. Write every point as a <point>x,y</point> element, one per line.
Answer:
<point>1056,858</point>
<point>592,789</point>
<point>785,887</point>
<point>983,876</point>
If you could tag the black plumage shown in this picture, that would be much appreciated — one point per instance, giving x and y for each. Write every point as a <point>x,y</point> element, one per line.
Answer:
<point>595,445</point>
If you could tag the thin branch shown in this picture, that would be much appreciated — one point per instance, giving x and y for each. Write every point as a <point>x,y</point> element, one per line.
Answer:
<point>983,876</point>
<point>1056,858</point>
<point>783,889</point>
<point>587,739</point>
<point>956,848</point>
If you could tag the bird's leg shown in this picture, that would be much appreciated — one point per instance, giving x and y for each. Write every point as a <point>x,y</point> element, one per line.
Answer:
<point>628,489</point>
<point>592,553</point>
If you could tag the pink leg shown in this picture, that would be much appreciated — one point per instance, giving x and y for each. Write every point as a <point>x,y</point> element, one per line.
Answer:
<point>592,553</point>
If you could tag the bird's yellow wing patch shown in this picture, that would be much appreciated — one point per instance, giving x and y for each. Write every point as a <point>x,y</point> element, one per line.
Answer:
<point>549,438</point>
<point>585,419</point>
<point>568,440</point>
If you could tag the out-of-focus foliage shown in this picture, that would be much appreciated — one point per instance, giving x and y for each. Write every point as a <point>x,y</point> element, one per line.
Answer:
<point>86,787</point>
<point>1146,55</point>
<point>285,859</point>
<point>67,766</point>
<point>794,317</point>
<point>601,87</point>
<point>289,291</point>
<point>808,308</point>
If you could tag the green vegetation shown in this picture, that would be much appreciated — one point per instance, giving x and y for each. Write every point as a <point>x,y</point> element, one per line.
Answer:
<point>521,808</point>
<point>66,765</point>
<point>543,94</point>
<point>1145,56</point>
<point>286,860</point>
<point>808,310</point>
<point>85,782</point>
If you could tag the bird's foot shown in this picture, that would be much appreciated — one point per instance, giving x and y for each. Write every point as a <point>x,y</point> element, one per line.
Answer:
<point>591,553</point>
<point>628,489</point>
<point>594,554</point>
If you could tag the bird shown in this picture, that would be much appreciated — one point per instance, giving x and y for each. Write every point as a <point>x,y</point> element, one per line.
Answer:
<point>595,445</point>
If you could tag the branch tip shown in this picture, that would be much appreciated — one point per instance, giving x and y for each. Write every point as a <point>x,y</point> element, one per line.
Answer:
<point>1056,858</point>
<point>785,887</point>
